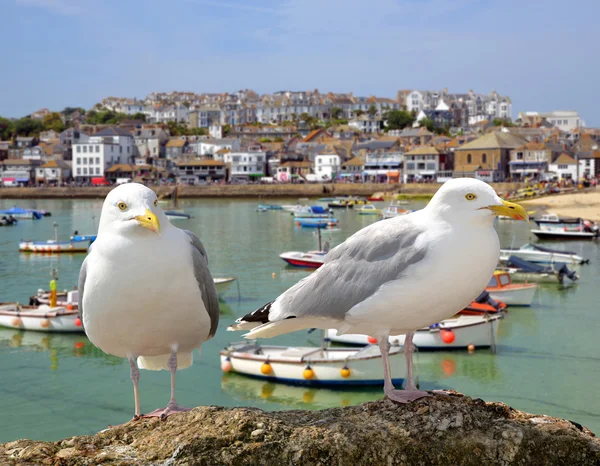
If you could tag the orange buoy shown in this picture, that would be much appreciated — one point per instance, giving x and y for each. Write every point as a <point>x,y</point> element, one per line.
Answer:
<point>273,275</point>
<point>16,322</point>
<point>448,366</point>
<point>471,348</point>
<point>226,365</point>
<point>308,373</point>
<point>45,323</point>
<point>78,322</point>
<point>79,345</point>
<point>69,307</point>
<point>345,372</point>
<point>447,336</point>
<point>266,368</point>
<point>372,340</point>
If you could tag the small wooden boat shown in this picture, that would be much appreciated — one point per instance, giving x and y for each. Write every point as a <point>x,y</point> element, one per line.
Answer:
<point>522,270</point>
<point>541,255</point>
<point>333,367</point>
<point>571,232</point>
<point>553,219</point>
<point>22,214</point>
<point>459,332</point>
<point>41,318</point>
<point>177,215</point>
<point>368,209</point>
<point>329,222</point>
<point>501,288</point>
<point>314,211</point>
<point>223,284</point>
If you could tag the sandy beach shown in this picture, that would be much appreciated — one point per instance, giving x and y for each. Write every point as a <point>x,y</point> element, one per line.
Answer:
<point>585,205</point>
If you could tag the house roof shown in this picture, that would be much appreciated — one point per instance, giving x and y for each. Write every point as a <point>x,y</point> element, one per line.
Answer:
<point>176,142</point>
<point>223,151</point>
<point>354,162</point>
<point>17,162</point>
<point>201,162</point>
<point>120,167</point>
<point>313,134</point>
<point>565,159</point>
<point>302,164</point>
<point>113,131</point>
<point>495,140</point>
<point>423,150</point>
<point>415,132</point>
<point>57,164</point>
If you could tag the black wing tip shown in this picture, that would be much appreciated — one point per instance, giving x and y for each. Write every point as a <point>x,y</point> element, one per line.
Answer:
<point>259,315</point>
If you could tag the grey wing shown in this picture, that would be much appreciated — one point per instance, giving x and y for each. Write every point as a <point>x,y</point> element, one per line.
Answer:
<point>81,287</point>
<point>354,270</point>
<point>206,284</point>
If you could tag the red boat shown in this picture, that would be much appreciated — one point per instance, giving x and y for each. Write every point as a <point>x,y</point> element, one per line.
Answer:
<point>310,259</point>
<point>375,199</point>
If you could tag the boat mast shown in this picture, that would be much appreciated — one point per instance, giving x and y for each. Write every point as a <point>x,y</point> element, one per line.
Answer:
<point>319,235</point>
<point>55,232</point>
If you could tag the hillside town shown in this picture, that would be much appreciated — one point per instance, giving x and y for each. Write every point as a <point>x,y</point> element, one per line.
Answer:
<point>296,137</point>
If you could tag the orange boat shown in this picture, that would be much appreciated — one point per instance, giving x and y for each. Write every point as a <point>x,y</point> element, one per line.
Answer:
<point>483,304</point>
<point>501,288</point>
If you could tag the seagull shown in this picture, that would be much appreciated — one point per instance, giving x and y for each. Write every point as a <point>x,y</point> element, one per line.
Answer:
<point>145,290</point>
<point>397,275</point>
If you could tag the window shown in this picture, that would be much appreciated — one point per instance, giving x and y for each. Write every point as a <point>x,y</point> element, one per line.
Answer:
<point>420,166</point>
<point>78,159</point>
<point>97,160</point>
<point>78,149</point>
<point>84,160</point>
<point>91,148</point>
<point>120,149</point>
<point>97,148</point>
<point>431,166</point>
<point>79,171</point>
<point>492,282</point>
<point>483,158</point>
<point>97,170</point>
<point>563,167</point>
<point>84,170</point>
<point>84,149</point>
<point>469,158</point>
<point>504,280</point>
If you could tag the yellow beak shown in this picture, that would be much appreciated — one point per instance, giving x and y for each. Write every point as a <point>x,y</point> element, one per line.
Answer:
<point>149,220</point>
<point>509,209</point>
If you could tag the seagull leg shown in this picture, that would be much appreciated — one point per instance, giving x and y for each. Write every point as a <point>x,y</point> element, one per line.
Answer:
<point>172,407</point>
<point>135,377</point>
<point>410,393</point>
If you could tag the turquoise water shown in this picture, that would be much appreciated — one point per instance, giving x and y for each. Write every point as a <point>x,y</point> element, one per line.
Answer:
<point>53,386</point>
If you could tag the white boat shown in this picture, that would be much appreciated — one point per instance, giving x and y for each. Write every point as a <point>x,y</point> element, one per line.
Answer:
<point>394,210</point>
<point>525,271</point>
<point>63,298</point>
<point>501,288</point>
<point>311,365</point>
<point>367,209</point>
<point>554,219</point>
<point>223,284</point>
<point>41,318</point>
<point>571,232</point>
<point>457,332</point>
<point>54,247</point>
<point>315,211</point>
<point>310,259</point>
<point>177,215</point>
<point>540,255</point>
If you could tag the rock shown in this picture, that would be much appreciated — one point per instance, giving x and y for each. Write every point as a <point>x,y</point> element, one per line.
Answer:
<point>439,430</point>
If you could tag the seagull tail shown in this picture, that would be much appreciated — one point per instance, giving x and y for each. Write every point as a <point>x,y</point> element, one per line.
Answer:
<point>272,329</point>
<point>242,325</point>
<point>158,363</point>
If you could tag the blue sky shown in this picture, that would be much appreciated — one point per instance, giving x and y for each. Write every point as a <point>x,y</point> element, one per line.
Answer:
<point>59,53</point>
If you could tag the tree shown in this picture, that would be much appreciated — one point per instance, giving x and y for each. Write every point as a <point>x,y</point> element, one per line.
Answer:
<point>6,128</point>
<point>265,140</point>
<point>427,123</point>
<point>399,119</point>
<point>139,116</point>
<point>53,121</point>
<point>278,139</point>
<point>336,113</point>
<point>372,111</point>
<point>28,127</point>
<point>173,128</point>
<point>502,122</point>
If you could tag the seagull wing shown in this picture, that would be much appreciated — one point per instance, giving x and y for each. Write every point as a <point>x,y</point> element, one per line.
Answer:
<point>81,287</point>
<point>206,284</point>
<point>352,272</point>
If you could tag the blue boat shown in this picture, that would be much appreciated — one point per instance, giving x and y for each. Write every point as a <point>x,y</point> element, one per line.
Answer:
<point>263,207</point>
<point>22,214</point>
<point>78,238</point>
<point>310,222</point>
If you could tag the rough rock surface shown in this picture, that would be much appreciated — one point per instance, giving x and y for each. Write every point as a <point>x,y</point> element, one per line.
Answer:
<point>443,429</point>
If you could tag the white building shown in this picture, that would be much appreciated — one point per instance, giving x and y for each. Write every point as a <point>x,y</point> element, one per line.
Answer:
<point>327,166</point>
<point>565,167</point>
<point>366,124</point>
<point>211,146</point>
<point>104,149</point>
<point>246,164</point>
<point>566,120</point>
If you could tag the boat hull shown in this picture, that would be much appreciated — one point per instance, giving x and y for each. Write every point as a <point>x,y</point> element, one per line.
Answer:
<point>40,319</point>
<point>519,295</point>
<point>316,222</point>
<point>68,247</point>
<point>476,331</point>
<point>564,235</point>
<point>223,284</point>
<point>327,371</point>
<point>540,257</point>
<point>301,259</point>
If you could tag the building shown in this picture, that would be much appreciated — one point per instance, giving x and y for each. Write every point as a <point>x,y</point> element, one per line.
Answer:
<point>200,171</point>
<point>352,169</point>
<point>150,142</point>
<point>49,135</point>
<point>366,124</point>
<point>53,172</point>
<point>530,160</point>
<point>208,147</point>
<point>250,164</point>
<point>327,166</point>
<point>421,163</point>
<point>18,171</point>
<point>175,148</point>
<point>486,158</point>
<point>565,167</point>
<point>292,171</point>
<point>383,166</point>
<point>566,120</point>
<point>108,147</point>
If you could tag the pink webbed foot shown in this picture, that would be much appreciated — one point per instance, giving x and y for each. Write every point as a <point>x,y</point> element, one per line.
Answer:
<point>405,396</point>
<point>163,413</point>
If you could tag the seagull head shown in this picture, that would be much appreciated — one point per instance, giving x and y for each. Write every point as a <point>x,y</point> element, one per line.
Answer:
<point>132,209</point>
<point>468,199</point>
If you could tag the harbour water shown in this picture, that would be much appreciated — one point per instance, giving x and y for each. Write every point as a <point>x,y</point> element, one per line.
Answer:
<point>54,386</point>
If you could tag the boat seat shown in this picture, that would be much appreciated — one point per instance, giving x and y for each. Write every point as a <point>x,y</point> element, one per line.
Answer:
<point>297,353</point>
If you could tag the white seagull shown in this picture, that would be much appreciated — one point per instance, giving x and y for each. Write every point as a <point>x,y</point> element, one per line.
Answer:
<point>398,275</point>
<point>145,291</point>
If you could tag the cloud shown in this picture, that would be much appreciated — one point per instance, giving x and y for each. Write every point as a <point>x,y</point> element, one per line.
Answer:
<point>61,7</point>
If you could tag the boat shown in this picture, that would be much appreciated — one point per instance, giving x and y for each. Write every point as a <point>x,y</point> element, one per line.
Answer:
<point>310,259</point>
<point>223,284</point>
<point>541,255</point>
<point>8,221</point>
<point>584,231</point>
<point>313,211</point>
<point>329,222</point>
<point>266,207</point>
<point>483,304</point>
<point>393,210</point>
<point>368,209</point>
<point>522,270</point>
<point>459,332</point>
<point>317,366</point>
<point>22,214</point>
<point>41,318</point>
<point>300,203</point>
<point>326,199</point>
<point>177,215</point>
<point>77,237</point>
<point>501,288</point>
<point>54,247</point>
<point>63,298</point>
<point>554,219</point>
<point>377,197</point>
<point>340,204</point>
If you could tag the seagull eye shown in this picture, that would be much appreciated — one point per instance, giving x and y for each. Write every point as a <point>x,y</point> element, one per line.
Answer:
<point>122,206</point>
<point>470,197</point>
<point>155,202</point>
